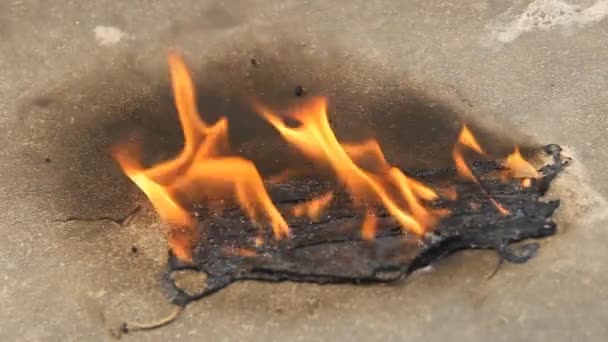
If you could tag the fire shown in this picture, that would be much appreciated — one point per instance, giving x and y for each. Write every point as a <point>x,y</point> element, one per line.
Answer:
<point>519,167</point>
<point>466,139</point>
<point>200,171</point>
<point>380,183</point>
<point>204,171</point>
<point>449,192</point>
<point>368,229</point>
<point>314,208</point>
<point>242,252</point>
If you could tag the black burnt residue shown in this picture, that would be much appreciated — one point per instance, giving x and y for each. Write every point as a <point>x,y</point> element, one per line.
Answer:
<point>299,91</point>
<point>130,101</point>
<point>331,250</point>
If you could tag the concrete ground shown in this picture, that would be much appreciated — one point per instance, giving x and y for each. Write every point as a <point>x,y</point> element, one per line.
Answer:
<point>77,74</point>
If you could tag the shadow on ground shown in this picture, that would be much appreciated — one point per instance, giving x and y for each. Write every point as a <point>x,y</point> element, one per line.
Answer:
<point>414,129</point>
<point>85,117</point>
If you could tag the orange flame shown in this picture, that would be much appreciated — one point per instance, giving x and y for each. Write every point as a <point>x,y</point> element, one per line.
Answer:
<point>204,171</point>
<point>466,138</point>
<point>240,251</point>
<point>313,209</point>
<point>382,184</point>
<point>449,192</point>
<point>502,210</point>
<point>368,230</point>
<point>461,166</point>
<point>519,167</point>
<point>199,171</point>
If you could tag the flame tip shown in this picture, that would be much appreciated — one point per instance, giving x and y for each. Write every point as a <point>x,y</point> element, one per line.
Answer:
<point>201,162</point>
<point>384,184</point>
<point>519,166</point>
<point>202,168</point>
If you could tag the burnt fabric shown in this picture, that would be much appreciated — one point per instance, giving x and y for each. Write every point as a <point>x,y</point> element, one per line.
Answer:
<point>331,250</point>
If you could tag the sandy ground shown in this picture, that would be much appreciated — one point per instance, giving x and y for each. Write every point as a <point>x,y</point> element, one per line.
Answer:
<point>76,75</point>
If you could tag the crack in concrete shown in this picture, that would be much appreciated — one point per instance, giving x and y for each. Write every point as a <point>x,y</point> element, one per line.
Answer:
<point>121,221</point>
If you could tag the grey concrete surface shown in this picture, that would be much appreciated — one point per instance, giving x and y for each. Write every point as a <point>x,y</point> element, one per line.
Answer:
<point>76,73</point>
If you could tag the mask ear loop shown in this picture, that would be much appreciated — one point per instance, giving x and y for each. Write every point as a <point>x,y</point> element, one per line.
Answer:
<point>128,327</point>
<point>178,297</point>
